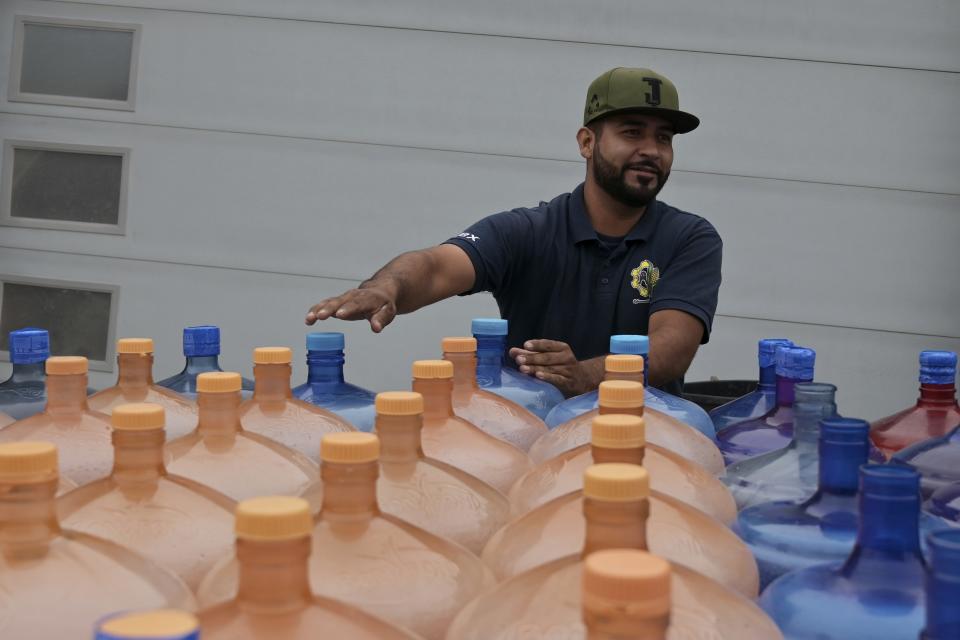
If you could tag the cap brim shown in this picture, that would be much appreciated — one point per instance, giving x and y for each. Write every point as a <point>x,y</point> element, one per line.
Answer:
<point>682,121</point>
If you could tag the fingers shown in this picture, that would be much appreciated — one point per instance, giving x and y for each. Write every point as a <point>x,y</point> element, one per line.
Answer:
<point>382,317</point>
<point>356,304</point>
<point>546,345</point>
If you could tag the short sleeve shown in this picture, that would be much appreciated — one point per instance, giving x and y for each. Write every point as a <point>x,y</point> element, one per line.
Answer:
<point>691,280</point>
<point>495,245</point>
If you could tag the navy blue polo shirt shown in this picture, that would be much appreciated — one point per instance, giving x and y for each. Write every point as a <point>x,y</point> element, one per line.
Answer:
<point>555,277</point>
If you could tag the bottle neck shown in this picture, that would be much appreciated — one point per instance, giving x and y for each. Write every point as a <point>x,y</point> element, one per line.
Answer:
<point>630,455</point>
<point>806,423</point>
<point>33,372</point>
<point>135,371</point>
<point>620,624</point>
<point>629,376</point>
<point>937,395</point>
<point>399,438</point>
<point>201,364</point>
<point>636,410</point>
<point>325,367</point>
<point>218,413</point>
<point>768,378</point>
<point>28,517</point>
<point>272,382</point>
<point>67,395</point>
<point>839,467</point>
<point>273,576</point>
<point>349,490</point>
<point>490,350</point>
<point>138,457</point>
<point>437,397</point>
<point>889,524</point>
<point>615,525</point>
<point>785,390</point>
<point>464,370</point>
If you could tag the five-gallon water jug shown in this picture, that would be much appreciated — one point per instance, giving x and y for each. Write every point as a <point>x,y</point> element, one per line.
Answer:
<point>937,460</point>
<point>157,624</point>
<point>626,595</point>
<point>945,503</point>
<point>22,394</point>
<point>494,414</point>
<point>943,586</point>
<point>376,561</point>
<point>135,384</point>
<point>789,473</point>
<point>774,430</point>
<point>761,400</point>
<point>935,413</point>
<point>223,455</point>
<point>325,385</point>
<point>537,396</point>
<point>675,530</point>
<point>622,438</point>
<point>545,602</point>
<point>201,348</point>
<point>57,583</point>
<point>274,413</point>
<point>621,396</point>
<point>270,597</point>
<point>82,435</point>
<point>180,524</point>
<point>456,441</point>
<point>878,591</point>
<point>431,494</point>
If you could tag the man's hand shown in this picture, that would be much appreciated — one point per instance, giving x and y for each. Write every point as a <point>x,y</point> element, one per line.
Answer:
<point>373,303</point>
<point>554,362</point>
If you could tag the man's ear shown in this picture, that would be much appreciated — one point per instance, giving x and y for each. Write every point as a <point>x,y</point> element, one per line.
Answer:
<point>586,139</point>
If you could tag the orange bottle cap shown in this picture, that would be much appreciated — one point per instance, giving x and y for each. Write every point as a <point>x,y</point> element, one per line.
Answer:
<point>273,518</point>
<point>432,369</point>
<point>636,583</point>
<point>272,355</point>
<point>28,462</point>
<point>459,345</point>
<point>349,447</point>
<point>135,345</point>
<point>623,363</point>
<point>218,382</point>
<point>618,431</point>
<point>66,365</point>
<point>399,403</point>
<point>621,394</point>
<point>616,482</point>
<point>143,625</point>
<point>138,416</point>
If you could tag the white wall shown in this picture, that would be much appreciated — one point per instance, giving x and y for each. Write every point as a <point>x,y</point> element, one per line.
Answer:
<point>281,152</point>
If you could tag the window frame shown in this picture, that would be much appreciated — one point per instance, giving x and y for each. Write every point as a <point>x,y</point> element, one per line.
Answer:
<point>106,365</point>
<point>15,95</point>
<point>7,219</point>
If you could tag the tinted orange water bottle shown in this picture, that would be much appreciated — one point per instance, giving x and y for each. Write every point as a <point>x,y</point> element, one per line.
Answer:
<point>56,583</point>
<point>223,455</point>
<point>545,602</point>
<point>274,413</point>
<point>135,384</point>
<point>180,524</point>
<point>456,441</point>
<point>616,498</point>
<point>82,435</point>
<point>620,396</point>
<point>272,598</point>
<point>494,414</point>
<point>622,438</point>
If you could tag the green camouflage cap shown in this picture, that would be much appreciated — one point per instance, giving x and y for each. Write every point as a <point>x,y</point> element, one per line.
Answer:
<point>640,90</point>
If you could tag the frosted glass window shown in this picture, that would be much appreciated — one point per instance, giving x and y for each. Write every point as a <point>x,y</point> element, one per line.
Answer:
<point>78,320</point>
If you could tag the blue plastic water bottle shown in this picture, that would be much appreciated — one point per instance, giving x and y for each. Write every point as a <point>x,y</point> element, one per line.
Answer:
<point>761,400</point>
<point>877,592</point>
<point>535,395</point>
<point>945,503</point>
<point>162,624</point>
<point>24,393</point>
<point>943,586</point>
<point>326,387</point>
<point>774,430</point>
<point>937,460</point>
<point>201,348</point>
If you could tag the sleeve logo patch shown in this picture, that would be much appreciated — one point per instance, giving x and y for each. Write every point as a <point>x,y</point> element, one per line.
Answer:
<point>468,236</point>
<point>644,278</point>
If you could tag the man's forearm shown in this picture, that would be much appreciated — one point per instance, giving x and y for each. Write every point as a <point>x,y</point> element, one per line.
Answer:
<point>406,279</point>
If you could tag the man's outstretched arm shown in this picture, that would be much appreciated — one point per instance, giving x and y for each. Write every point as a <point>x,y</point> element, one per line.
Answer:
<point>406,283</point>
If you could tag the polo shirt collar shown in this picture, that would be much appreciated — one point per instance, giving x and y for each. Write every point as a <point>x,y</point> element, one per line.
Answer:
<point>582,230</point>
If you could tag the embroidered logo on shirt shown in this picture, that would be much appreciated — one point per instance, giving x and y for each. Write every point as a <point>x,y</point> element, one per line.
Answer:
<point>644,278</point>
<point>468,236</point>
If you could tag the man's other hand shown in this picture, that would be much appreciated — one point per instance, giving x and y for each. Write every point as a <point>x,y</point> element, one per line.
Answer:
<point>554,362</point>
<point>372,303</point>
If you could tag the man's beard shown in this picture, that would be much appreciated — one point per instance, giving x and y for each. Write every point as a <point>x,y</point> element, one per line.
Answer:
<point>614,181</point>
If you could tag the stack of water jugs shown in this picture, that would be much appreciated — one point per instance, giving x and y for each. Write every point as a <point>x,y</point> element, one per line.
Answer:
<point>478,505</point>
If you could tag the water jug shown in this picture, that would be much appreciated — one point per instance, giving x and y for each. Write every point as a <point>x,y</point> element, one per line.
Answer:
<point>201,348</point>
<point>761,400</point>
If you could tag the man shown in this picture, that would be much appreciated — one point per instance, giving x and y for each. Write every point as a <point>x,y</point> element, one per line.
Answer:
<point>606,259</point>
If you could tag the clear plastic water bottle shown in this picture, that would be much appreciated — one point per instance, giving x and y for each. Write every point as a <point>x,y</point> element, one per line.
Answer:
<point>532,394</point>
<point>201,348</point>
<point>761,400</point>
<point>326,387</point>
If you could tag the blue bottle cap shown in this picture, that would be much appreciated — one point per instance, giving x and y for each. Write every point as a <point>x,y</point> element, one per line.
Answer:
<point>325,341</point>
<point>488,327</point>
<point>203,340</point>
<point>767,350</point>
<point>633,345</point>
<point>938,367</point>
<point>160,624</point>
<point>889,482</point>
<point>795,363</point>
<point>29,345</point>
